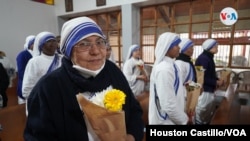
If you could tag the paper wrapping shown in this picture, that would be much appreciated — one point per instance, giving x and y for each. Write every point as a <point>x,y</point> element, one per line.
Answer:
<point>108,125</point>
<point>192,96</point>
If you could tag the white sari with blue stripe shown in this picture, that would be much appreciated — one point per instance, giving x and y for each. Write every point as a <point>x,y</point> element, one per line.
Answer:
<point>166,102</point>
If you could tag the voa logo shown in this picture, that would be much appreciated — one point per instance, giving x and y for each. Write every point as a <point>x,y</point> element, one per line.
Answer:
<point>228,16</point>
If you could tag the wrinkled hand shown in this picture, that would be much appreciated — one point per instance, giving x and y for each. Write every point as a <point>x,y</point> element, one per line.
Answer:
<point>143,77</point>
<point>141,67</point>
<point>190,117</point>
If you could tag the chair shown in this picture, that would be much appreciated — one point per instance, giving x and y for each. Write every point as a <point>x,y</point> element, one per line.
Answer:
<point>12,120</point>
<point>143,99</point>
<point>231,79</point>
<point>244,81</point>
<point>239,61</point>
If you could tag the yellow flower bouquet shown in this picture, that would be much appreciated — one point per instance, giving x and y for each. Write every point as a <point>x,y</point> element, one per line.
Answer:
<point>106,117</point>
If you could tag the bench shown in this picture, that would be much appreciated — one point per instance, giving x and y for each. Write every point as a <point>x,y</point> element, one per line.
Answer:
<point>12,120</point>
<point>231,110</point>
<point>244,81</point>
<point>231,78</point>
<point>143,99</point>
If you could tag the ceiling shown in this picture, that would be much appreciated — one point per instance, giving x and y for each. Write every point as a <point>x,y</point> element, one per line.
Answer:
<point>182,9</point>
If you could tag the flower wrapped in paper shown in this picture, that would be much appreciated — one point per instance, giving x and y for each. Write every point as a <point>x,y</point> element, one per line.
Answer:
<point>200,74</point>
<point>140,65</point>
<point>194,90</point>
<point>191,86</point>
<point>107,122</point>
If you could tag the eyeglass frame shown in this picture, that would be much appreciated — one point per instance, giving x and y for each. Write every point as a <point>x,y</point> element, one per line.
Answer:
<point>86,45</point>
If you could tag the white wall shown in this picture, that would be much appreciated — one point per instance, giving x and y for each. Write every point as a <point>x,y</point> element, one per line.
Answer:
<point>90,5</point>
<point>20,18</point>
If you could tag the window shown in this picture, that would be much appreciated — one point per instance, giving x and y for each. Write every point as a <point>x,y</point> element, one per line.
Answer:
<point>111,25</point>
<point>190,19</point>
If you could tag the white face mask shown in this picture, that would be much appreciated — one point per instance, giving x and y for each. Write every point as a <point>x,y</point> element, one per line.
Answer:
<point>86,72</point>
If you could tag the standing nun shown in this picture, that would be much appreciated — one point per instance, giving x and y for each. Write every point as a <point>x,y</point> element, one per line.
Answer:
<point>134,71</point>
<point>22,60</point>
<point>184,62</point>
<point>166,100</point>
<point>44,61</point>
<point>206,105</point>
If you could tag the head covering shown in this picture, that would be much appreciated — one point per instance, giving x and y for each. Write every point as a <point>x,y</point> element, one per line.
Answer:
<point>29,41</point>
<point>132,48</point>
<point>75,30</point>
<point>209,43</point>
<point>185,44</point>
<point>165,42</point>
<point>40,39</point>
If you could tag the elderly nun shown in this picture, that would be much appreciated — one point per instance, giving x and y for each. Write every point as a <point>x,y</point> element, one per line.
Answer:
<point>44,61</point>
<point>54,112</point>
<point>133,70</point>
<point>22,60</point>
<point>166,100</point>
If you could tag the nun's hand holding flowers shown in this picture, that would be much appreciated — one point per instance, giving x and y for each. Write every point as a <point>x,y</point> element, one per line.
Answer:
<point>199,68</point>
<point>191,85</point>
<point>105,114</point>
<point>140,65</point>
<point>143,76</point>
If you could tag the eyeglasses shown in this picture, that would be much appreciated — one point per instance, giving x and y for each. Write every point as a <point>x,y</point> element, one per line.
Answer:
<point>86,46</point>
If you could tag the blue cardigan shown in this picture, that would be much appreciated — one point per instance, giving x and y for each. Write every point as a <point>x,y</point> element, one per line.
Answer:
<point>205,59</point>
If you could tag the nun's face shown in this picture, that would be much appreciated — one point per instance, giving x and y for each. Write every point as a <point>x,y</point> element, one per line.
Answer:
<point>173,52</point>
<point>136,53</point>
<point>50,47</point>
<point>90,53</point>
<point>189,51</point>
<point>31,47</point>
<point>214,49</point>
